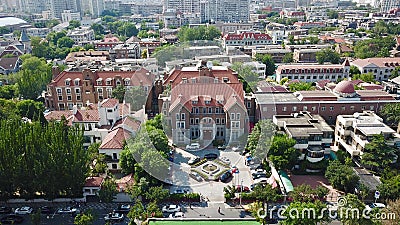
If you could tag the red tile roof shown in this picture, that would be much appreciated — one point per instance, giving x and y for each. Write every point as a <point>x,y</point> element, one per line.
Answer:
<point>380,62</point>
<point>247,35</point>
<point>184,93</point>
<point>109,103</point>
<point>93,182</point>
<point>126,181</point>
<point>128,122</point>
<point>115,139</point>
<point>56,115</point>
<point>344,87</point>
<point>86,116</point>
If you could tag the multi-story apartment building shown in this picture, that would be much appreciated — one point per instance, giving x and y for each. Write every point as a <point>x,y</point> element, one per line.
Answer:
<point>125,51</point>
<point>206,103</point>
<point>234,11</point>
<point>81,35</point>
<point>313,72</point>
<point>37,32</point>
<point>333,101</point>
<point>387,5</point>
<point>58,6</point>
<point>380,67</point>
<point>353,132</point>
<point>312,134</point>
<point>246,38</point>
<point>80,88</point>
<point>94,7</point>
<point>68,15</point>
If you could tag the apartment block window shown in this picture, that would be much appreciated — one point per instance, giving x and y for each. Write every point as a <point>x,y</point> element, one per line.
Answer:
<point>352,107</point>
<point>67,82</point>
<point>371,107</point>
<point>191,120</point>
<point>216,110</point>
<point>109,92</point>
<point>363,107</point>
<point>313,108</point>
<point>60,98</point>
<point>238,116</point>
<point>196,121</point>
<point>78,97</point>
<point>127,81</point>
<point>180,124</point>
<point>323,108</point>
<point>68,90</point>
<point>76,82</point>
<point>183,116</point>
<point>331,108</point>
<point>70,106</point>
<point>248,104</point>
<point>177,116</point>
<point>98,82</point>
<point>77,90</point>
<point>59,91</point>
<point>209,110</point>
<point>343,108</point>
<point>204,110</point>
<point>108,82</point>
<point>217,120</point>
<point>69,98</point>
<point>61,106</point>
<point>207,102</point>
<point>223,121</point>
<point>284,109</point>
<point>304,108</point>
<point>294,109</point>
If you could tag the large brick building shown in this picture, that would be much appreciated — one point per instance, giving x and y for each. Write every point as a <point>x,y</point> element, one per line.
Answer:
<point>80,88</point>
<point>205,104</point>
<point>340,99</point>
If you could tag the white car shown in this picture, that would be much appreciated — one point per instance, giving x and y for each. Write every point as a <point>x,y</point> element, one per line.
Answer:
<point>114,217</point>
<point>177,215</point>
<point>262,180</point>
<point>193,146</point>
<point>171,209</point>
<point>375,205</point>
<point>68,210</point>
<point>24,210</point>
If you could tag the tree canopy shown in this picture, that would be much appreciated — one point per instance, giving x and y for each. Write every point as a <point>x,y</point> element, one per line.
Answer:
<point>377,154</point>
<point>198,33</point>
<point>268,61</point>
<point>282,153</point>
<point>341,176</point>
<point>247,76</point>
<point>376,47</point>
<point>327,55</point>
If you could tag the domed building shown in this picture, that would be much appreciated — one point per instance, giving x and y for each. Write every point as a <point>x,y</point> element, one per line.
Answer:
<point>345,89</point>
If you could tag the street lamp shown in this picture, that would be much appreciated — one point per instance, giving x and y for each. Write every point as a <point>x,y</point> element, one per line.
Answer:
<point>240,194</point>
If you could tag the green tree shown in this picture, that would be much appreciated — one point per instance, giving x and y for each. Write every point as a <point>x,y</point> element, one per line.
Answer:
<point>137,211</point>
<point>341,176</point>
<point>282,153</point>
<point>377,154</point>
<point>229,192</point>
<point>65,42</point>
<point>74,24</point>
<point>354,70</point>
<point>248,77</point>
<point>366,77</point>
<point>395,73</point>
<point>119,93</point>
<point>136,97</point>
<point>376,47</point>
<point>301,86</point>
<point>86,218</point>
<point>351,205</point>
<point>390,188</point>
<point>33,77</point>
<point>287,58</point>
<point>108,190</point>
<point>264,194</point>
<point>157,194</point>
<point>127,29</point>
<point>332,14</point>
<point>8,91</point>
<point>260,138</point>
<point>268,61</point>
<point>391,114</point>
<point>327,55</point>
<point>304,193</point>
<point>198,33</point>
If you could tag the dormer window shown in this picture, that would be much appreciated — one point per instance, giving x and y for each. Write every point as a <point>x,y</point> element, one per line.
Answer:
<point>216,80</point>
<point>193,80</point>
<point>118,82</point>
<point>184,80</point>
<point>127,81</point>
<point>194,102</point>
<point>108,81</point>
<point>99,81</point>
<point>207,102</point>
<point>76,81</point>
<point>67,82</point>
<point>225,80</point>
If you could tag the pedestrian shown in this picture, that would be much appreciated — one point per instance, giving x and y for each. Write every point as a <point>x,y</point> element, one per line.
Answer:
<point>219,210</point>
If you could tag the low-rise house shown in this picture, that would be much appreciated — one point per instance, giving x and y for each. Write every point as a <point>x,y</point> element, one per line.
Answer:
<point>92,186</point>
<point>246,38</point>
<point>82,35</point>
<point>10,65</point>
<point>125,51</point>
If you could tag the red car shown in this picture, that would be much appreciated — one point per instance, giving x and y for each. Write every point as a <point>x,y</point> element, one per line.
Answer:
<point>240,188</point>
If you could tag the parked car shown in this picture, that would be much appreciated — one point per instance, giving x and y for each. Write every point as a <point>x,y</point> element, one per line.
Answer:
<point>194,160</point>
<point>375,205</point>
<point>225,160</point>
<point>12,219</point>
<point>225,177</point>
<point>4,210</point>
<point>46,210</point>
<point>124,208</point>
<point>114,217</point>
<point>210,156</point>
<point>240,188</point>
<point>259,175</point>
<point>221,147</point>
<point>180,191</point>
<point>171,209</point>
<point>262,180</point>
<point>177,215</point>
<point>193,146</point>
<point>24,210</point>
<point>196,176</point>
<point>68,210</point>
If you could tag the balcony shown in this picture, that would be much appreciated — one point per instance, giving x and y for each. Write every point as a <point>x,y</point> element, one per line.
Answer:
<point>315,154</point>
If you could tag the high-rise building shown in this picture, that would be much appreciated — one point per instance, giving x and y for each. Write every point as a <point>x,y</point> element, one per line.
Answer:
<point>387,5</point>
<point>224,10</point>
<point>183,6</point>
<point>32,6</point>
<point>58,6</point>
<point>93,7</point>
